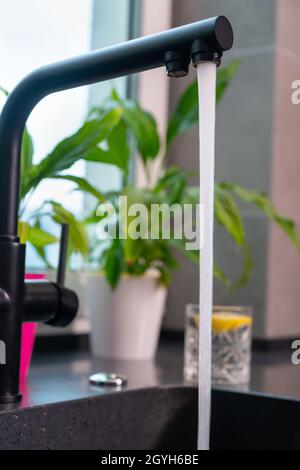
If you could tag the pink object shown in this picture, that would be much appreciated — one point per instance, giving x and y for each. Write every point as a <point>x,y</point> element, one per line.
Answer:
<point>28,336</point>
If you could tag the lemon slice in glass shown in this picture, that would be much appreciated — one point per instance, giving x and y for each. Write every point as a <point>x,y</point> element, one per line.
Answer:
<point>223,322</point>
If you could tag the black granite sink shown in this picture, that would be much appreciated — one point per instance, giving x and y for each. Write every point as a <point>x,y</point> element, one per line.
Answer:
<point>158,418</point>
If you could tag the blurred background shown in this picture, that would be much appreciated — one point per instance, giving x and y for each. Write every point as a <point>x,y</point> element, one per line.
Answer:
<point>257,129</point>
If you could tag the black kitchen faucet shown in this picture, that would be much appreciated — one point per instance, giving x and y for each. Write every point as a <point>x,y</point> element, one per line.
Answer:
<point>47,302</point>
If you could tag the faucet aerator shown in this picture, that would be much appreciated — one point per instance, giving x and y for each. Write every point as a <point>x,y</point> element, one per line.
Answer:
<point>177,65</point>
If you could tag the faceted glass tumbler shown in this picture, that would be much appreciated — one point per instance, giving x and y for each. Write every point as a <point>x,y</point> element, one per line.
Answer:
<point>231,345</point>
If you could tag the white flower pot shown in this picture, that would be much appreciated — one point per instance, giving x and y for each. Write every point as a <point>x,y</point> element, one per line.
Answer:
<point>125,322</point>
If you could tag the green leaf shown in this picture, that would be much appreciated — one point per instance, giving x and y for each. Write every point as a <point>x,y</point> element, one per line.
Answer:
<point>164,277</point>
<point>134,247</point>
<point>40,238</point>
<point>247,268</point>
<point>26,159</point>
<point>262,202</point>
<point>221,276</point>
<point>83,185</point>
<point>74,148</point>
<point>26,152</point>
<point>142,125</point>
<point>23,231</point>
<point>41,250</point>
<point>78,234</point>
<point>113,263</point>
<point>226,211</point>
<point>194,256</point>
<point>94,217</point>
<point>172,185</point>
<point>117,152</point>
<point>35,235</point>
<point>225,75</point>
<point>167,256</point>
<point>186,114</point>
<point>4,91</point>
<point>227,215</point>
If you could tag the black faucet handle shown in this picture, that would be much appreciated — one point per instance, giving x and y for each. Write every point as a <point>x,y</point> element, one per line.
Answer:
<point>51,302</point>
<point>63,255</point>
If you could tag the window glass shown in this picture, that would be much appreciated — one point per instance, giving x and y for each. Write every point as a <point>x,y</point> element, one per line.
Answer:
<point>35,33</point>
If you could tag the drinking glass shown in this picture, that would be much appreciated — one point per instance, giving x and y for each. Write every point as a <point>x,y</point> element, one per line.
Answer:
<point>231,344</point>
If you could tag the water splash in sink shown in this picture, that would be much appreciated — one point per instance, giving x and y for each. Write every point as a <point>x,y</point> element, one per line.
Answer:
<point>207,104</point>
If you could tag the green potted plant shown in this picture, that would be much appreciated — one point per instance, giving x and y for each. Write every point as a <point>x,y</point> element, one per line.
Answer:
<point>126,293</point>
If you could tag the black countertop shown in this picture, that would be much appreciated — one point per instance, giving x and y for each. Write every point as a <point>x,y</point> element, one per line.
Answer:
<point>61,377</point>
<point>60,410</point>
